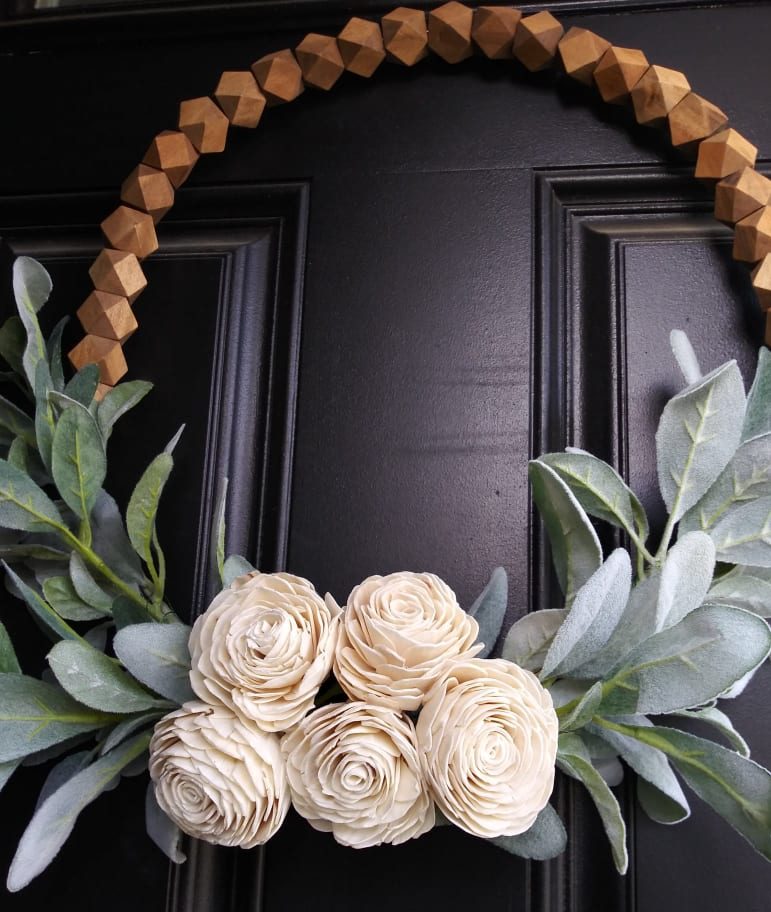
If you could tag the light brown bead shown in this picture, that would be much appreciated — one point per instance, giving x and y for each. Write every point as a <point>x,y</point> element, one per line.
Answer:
<point>536,40</point>
<point>449,31</point>
<point>740,194</point>
<point>204,124</point>
<point>493,30</point>
<point>654,96</point>
<point>107,354</point>
<point>119,273</point>
<point>361,46</point>
<point>752,236</point>
<point>131,230</point>
<point>150,190</point>
<point>694,119</point>
<point>580,51</point>
<point>279,76</point>
<point>240,98</point>
<point>173,153</point>
<point>618,72</point>
<point>101,391</point>
<point>761,282</point>
<point>405,35</point>
<point>724,153</point>
<point>107,315</point>
<point>320,60</point>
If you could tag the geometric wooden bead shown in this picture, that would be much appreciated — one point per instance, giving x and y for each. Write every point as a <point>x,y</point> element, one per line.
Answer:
<point>449,31</point>
<point>240,98</point>
<point>107,315</point>
<point>694,119</point>
<point>173,153</point>
<point>107,354</point>
<point>581,51</point>
<point>724,153</point>
<point>101,391</point>
<point>131,230</point>
<point>119,273</point>
<point>536,40</point>
<point>204,124</point>
<point>148,189</point>
<point>405,35</point>
<point>752,238</point>
<point>761,282</point>
<point>320,60</point>
<point>361,46</point>
<point>659,90</point>
<point>494,29</point>
<point>618,72</point>
<point>741,194</point>
<point>279,76</point>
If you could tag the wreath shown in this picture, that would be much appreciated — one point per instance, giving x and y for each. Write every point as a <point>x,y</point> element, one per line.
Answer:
<point>386,717</point>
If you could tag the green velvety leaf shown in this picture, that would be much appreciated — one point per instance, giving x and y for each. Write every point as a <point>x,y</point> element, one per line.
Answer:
<point>82,386</point>
<point>234,567</point>
<point>699,432</point>
<point>711,715</point>
<point>31,550</point>
<point>584,710</point>
<point>685,578</point>
<point>742,589</point>
<point>45,423</point>
<point>62,597</point>
<point>125,612</point>
<point>39,606</point>
<point>128,727</point>
<point>529,638</point>
<point>7,770</point>
<point>54,349</point>
<point>111,541</point>
<point>489,610</point>
<point>31,288</point>
<point>158,656</point>
<point>118,401</point>
<point>163,832</point>
<point>27,460</point>
<point>17,422</point>
<point>743,535</point>
<point>576,550</point>
<point>757,419</point>
<point>65,769</point>
<point>87,588</point>
<point>217,540</point>
<point>13,340</point>
<point>78,464</point>
<point>685,356</point>
<point>545,839</point>
<point>9,664</point>
<point>23,504</point>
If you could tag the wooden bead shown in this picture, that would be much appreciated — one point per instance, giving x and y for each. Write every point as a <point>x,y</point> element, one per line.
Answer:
<point>752,238</point>
<point>449,31</point>
<point>493,30</point>
<point>361,46</point>
<point>654,96</point>
<point>204,124</point>
<point>131,230</point>
<point>119,273</point>
<point>279,76</point>
<point>761,282</point>
<point>740,194</point>
<point>240,98</point>
<point>724,153</point>
<point>694,119</point>
<point>101,391</point>
<point>618,72</point>
<point>536,40</point>
<point>580,51</point>
<point>150,190</point>
<point>320,60</point>
<point>107,315</point>
<point>173,153</point>
<point>107,354</point>
<point>405,35</point>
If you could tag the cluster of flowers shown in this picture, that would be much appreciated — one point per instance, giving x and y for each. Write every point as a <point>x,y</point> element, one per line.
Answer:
<point>227,766</point>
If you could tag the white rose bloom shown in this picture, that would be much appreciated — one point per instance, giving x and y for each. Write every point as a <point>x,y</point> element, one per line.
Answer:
<point>400,634</point>
<point>218,777</point>
<point>488,742</point>
<point>353,770</point>
<point>263,647</point>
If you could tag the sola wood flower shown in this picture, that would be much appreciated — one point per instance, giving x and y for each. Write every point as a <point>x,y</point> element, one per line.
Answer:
<point>399,635</point>
<point>353,770</point>
<point>263,648</point>
<point>218,777</point>
<point>488,742</point>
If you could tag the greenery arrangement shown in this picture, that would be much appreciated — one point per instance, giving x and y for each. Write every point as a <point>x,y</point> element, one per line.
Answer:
<point>644,632</point>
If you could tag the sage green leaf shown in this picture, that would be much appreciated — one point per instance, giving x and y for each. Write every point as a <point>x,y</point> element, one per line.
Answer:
<point>545,839</point>
<point>489,610</point>
<point>163,832</point>
<point>119,400</point>
<point>13,340</point>
<point>7,770</point>
<point>87,588</point>
<point>743,535</point>
<point>576,550</point>
<point>584,711</point>
<point>158,656</point>
<point>217,540</point>
<point>711,715</point>
<point>9,664</point>
<point>757,419</point>
<point>17,422</point>
<point>65,769</point>
<point>54,350</point>
<point>23,504</point>
<point>111,542</point>
<point>78,464</point>
<point>39,606</point>
<point>61,595</point>
<point>27,460</point>
<point>529,638</point>
<point>143,507</point>
<point>127,727</point>
<point>685,356</point>
<point>685,578</point>
<point>31,288</point>
<point>55,818</point>
<point>699,432</point>
<point>82,386</point>
<point>742,590</point>
<point>31,550</point>
<point>597,609</point>
<point>126,612</point>
<point>45,422</point>
<point>234,567</point>
<point>573,759</point>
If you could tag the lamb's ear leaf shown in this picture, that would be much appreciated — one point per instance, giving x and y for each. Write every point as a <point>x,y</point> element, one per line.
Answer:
<point>742,588</point>
<point>54,348</point>
<point>217,540</point>
<point>9,664</point>
<point>158,656</point>
<point>584,710</point>
<point>743,535</point>
<point>715,717</point>
<point>685,356</point>
<point>529,638</point>
<point>82,387</point>
<point>119,400</point>
<point>757,419</point>
<point>234,567</point>
<point>685,578</point>
<point>31,287</point>
<point>489,610</point>
<point>163,832</point>
<point>545,839</point>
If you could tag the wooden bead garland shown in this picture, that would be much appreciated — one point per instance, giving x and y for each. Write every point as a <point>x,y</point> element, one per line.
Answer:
<point>724,153</point>
<point>405,35</point>
<point>173,153</point>
<point>493,30</point>
<point>694,119</point>
<point>320,61</point>
<point>581,51</point>
<point>150,190</point>
<point>618,72</point>
<point>657,93</point>
<point>536,40</point>
<point>279,76</point>
<point>240,98</point>
<point>361,46</point>
<point>449,32</point>
<point>740,194</point>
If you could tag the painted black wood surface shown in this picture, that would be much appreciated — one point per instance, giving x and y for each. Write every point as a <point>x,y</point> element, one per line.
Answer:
<point>370,313</point>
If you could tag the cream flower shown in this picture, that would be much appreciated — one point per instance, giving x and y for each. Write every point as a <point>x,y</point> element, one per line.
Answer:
<point>263,648</point>
<point>400,633</point>
<point>218,777</point>
<point>353,770</point>
<point>487,736</point>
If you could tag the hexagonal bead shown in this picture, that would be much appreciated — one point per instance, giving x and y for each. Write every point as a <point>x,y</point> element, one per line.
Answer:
<point>173,153</point>
<point>204,124</point>
<point>536,40</point>
<point>694,119</point>
<point>654,96</point>
<point>761,282</point>
<point>580,51</point>
<point>101,391</point>
<point>752,237</point>
<point>361,46</point>
<point>493,30</point>
<point>618,72</point>
<point>107,315</point>
<point>740,194</point>
<point>405,35</point>
<point>320,60</point>
<point>119,273</point>
<point>724,153</point>
<point>240,98</point>
<point>131,230</point>
<point>279,76</point>
<point>150,190</point>
<point>107,354</point>
<point>449,31</point>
